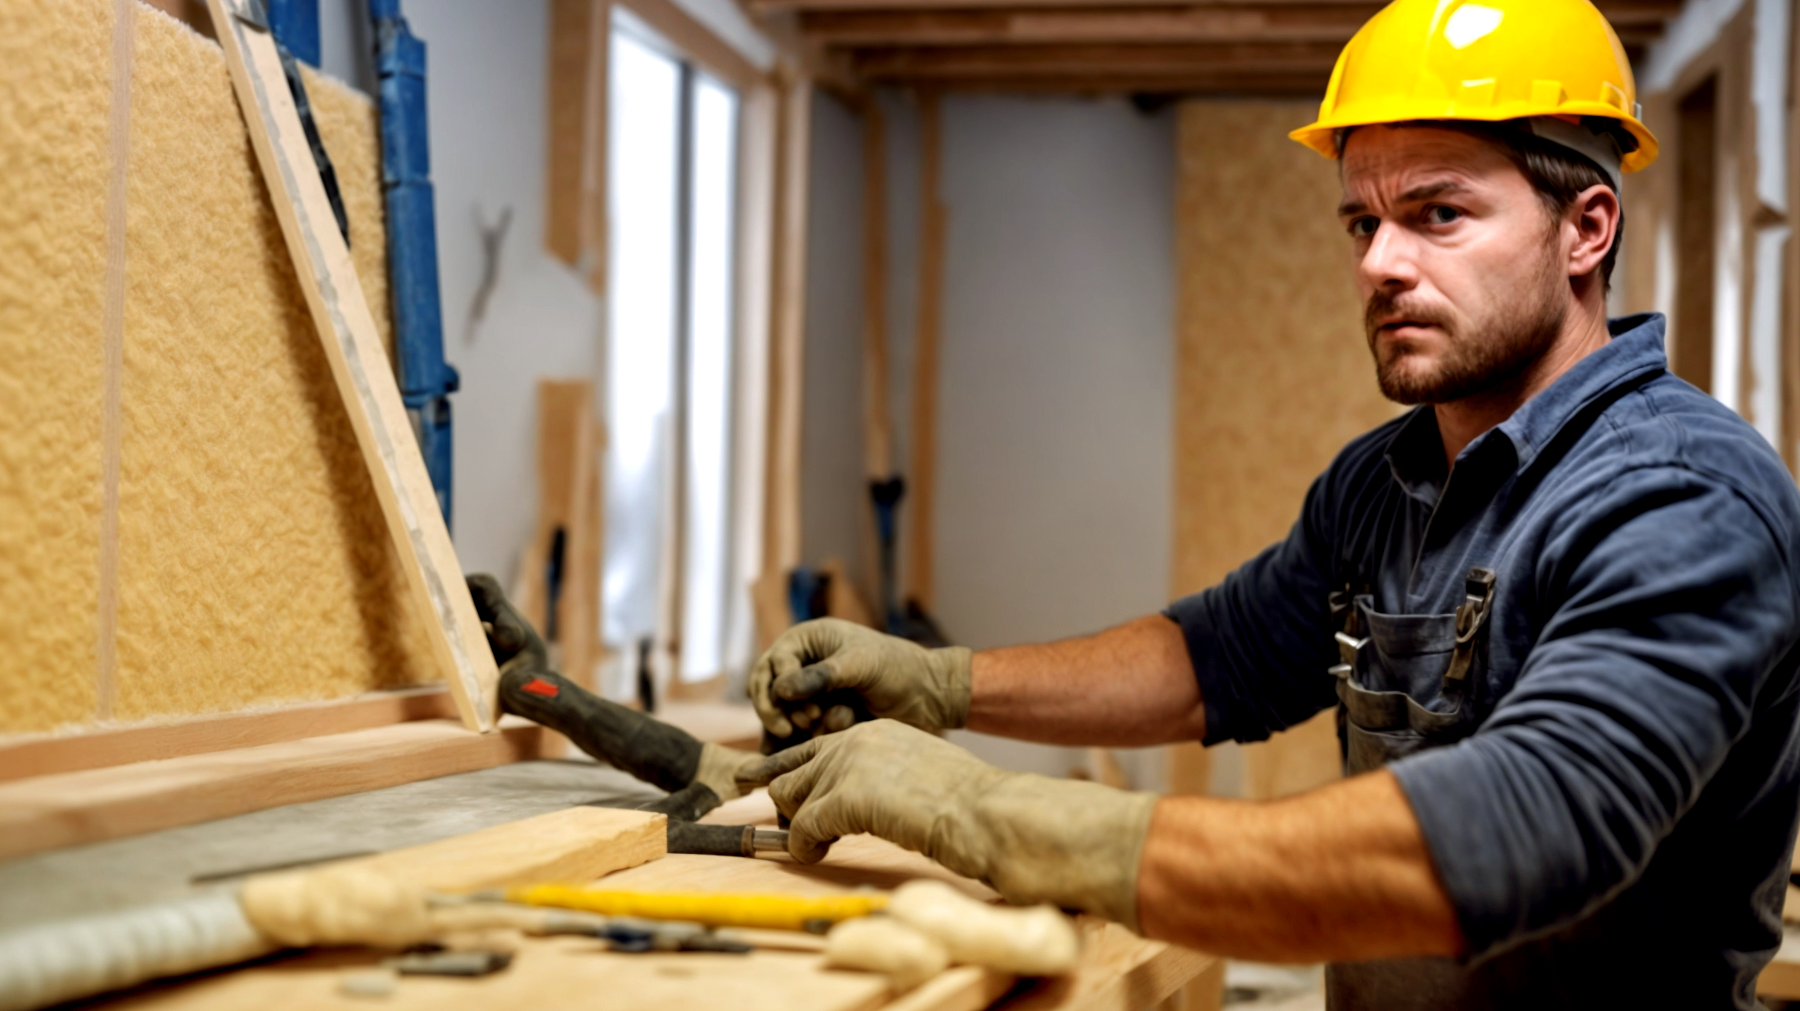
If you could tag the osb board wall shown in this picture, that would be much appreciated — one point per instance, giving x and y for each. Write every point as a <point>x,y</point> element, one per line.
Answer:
<point>1273,375</point>
<point>253,563</point>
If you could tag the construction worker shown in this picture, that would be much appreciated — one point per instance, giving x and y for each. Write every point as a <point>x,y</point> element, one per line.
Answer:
<point>1555,607</point>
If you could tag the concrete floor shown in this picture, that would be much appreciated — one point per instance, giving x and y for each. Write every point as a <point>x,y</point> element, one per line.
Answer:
<point>163,865</point>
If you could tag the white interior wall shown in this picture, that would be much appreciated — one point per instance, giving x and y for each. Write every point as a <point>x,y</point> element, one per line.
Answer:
<point>486,76</point>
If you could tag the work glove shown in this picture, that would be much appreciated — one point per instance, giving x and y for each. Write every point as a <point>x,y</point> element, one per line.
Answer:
<point>629,740</point>
<point>515,643</point>
<point>1031,838</point>
<point>821,676</point>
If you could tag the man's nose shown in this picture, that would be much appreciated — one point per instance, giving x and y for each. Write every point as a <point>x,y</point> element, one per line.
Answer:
<point>1390,262</point>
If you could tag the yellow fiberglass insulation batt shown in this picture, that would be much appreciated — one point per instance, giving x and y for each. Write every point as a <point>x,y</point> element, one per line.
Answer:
<point>254,565</point>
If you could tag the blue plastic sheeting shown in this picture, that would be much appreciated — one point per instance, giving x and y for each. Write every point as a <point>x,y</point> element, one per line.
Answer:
<point>426,380</point>
<point>296,26</point>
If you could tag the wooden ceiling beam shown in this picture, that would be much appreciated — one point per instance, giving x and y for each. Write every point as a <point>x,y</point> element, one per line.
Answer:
<point>1328,22</point>
<point>1262,85</point>
<point>1618,11</point>
<point>1075,62</point>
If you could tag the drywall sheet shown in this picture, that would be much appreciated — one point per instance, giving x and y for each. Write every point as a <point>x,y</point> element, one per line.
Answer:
<point>1273,374</point>
<point>253,565</point>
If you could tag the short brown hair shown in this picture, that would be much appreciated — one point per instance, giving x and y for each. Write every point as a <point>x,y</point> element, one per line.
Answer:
<point>1559,174</point>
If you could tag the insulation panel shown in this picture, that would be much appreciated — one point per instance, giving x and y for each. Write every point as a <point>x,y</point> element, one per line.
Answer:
<point>1273,374</point>
<point>254,566</point>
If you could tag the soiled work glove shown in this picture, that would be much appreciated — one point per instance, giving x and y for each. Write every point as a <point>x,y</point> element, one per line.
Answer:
<point>515,643</point>
<point>823,675</point>
<point>1032,838</point>
<point>653,752</point>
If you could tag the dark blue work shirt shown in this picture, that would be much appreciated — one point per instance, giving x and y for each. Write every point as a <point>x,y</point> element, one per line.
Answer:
<point>1629,796</point>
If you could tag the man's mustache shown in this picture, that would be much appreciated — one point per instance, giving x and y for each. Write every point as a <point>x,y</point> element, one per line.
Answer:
<point>1382,307</point>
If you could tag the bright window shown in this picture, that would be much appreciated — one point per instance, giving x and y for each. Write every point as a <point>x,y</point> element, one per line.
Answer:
<point>707,491</point>
<point>670,590</point>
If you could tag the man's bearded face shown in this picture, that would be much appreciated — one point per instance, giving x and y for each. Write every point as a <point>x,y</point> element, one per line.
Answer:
<point>1464,281</point>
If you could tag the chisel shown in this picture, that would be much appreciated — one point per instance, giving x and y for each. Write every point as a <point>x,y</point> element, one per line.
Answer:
<point>648,748</point>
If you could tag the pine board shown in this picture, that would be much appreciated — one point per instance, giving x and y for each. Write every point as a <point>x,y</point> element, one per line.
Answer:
<point>1120,972</point>
<point>579,844</point>
<point>82,807</point>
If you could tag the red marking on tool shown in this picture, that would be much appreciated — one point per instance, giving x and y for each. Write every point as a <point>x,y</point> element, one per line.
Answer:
<point>538,686</point>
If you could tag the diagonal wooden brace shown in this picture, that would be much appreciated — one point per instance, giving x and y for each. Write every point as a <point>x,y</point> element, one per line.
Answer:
<point>359,363</point>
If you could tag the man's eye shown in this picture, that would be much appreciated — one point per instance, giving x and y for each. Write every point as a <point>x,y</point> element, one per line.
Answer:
<point>1438,214</point>
<point>1362,228</point>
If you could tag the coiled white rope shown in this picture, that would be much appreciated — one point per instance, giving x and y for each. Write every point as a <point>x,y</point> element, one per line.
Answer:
<point>52,963</point>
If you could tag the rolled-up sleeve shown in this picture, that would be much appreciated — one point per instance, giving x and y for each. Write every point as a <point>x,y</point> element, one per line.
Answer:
<point>1260,641</point>
<point>1675,604</point>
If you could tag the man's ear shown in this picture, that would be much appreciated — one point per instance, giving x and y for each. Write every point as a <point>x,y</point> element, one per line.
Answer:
<point>1594,217</point>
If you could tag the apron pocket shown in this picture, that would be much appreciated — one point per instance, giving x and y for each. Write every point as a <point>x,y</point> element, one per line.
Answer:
<point>1366,750</point>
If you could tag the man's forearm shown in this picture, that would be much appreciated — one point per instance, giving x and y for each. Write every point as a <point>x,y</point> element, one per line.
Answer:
<point>1132,685</point>
<point>1338,874</point>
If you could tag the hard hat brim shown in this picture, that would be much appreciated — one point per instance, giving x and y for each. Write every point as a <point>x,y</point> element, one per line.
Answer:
<point>1321,135</point>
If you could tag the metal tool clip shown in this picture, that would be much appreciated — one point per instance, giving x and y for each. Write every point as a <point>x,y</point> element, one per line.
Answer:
<point>1471,618</point>
<point>1348,647</point>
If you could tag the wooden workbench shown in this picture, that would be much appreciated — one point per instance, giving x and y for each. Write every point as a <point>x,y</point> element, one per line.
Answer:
<point>1119,971</point>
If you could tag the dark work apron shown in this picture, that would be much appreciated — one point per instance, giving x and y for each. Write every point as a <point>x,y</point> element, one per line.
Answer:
<point>1387,662</point>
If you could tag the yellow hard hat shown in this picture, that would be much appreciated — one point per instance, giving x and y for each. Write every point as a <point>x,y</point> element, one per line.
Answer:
<point>1486,60</point>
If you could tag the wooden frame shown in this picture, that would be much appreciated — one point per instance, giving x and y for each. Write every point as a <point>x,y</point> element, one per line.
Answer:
<point>575,215</point>
<point>67,788</point>
<point>696,42</point>
<point>787,372</point>
<point>359,363</point>
<point>72,808</point>
<point>569,502</point>
<point>50,754</point>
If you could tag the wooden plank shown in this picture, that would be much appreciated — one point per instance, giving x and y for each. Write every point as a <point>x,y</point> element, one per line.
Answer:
<point>696,41</point>
<point>578,844</point>
<point>48,754</point>
<point>759,137</point>
<point>360,364</point>
<point>1073,61</point>
<point>546,974</point>
<point>960,988</point>
<point>922,482</point>
<point>575,161</point>
<point>1113,83</point>
<point>1781,977</point>
<point>785,973</point>
<point>72,808</point>
<point>570,39</point>
<point>1619,12</point>
<point>1119,971</point>
<point>1326,22</point>
<point>568,501</point>
<point>787,365</point>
